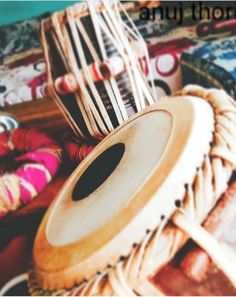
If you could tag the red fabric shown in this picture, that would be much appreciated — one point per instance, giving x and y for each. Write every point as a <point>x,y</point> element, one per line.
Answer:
<point>14,258</point>
<point>30,140</point>
<point>77,151</point>
<point>174,46</point>
<point>4,148</point>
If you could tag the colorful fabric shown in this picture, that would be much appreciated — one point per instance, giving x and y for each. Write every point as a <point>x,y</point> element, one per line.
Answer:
<point>22,74</point>
<point>22,81</point>
<point>166,50</point>
<point>165,64</point>
<point>166,42</point>
<point>40,159</point>
<point>19,37</point>
<point>212,64</point>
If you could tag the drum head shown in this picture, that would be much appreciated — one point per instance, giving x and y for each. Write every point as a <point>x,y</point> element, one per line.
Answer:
<point>122,189</point>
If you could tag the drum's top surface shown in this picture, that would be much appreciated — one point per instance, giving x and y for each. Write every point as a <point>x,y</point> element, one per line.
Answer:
<point>122,189</point>
<point>125,165</point>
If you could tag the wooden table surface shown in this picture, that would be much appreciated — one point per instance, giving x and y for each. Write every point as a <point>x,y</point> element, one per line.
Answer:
<point>40,114</point>
<point>170,280</point>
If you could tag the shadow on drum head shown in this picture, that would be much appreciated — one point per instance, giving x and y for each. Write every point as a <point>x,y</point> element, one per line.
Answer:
<point>98,171</point>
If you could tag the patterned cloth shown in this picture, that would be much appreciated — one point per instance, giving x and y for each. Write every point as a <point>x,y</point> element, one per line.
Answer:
<point>165,59</point>
<point>22,74</point>
<point>212,64</point>
<point>207,46</point>
<point>19,37</point>
<point>167,42</point>
<point>22,81</point>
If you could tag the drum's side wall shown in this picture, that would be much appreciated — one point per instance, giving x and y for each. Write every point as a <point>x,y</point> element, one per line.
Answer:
<point>13,11</point>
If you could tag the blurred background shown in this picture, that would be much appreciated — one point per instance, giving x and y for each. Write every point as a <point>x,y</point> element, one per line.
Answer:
<point>13,11</point>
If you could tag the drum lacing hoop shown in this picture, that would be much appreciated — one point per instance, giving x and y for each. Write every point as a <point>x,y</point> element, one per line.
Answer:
<point>160,245</point>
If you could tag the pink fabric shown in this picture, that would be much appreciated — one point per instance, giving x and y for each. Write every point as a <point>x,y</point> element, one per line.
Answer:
<point>42,150</point>
<point>25,195</point>
<point>34,176</point>
<point>47,159</point>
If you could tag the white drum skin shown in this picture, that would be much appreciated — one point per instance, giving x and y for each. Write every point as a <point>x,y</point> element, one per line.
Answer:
<point>144,148</point>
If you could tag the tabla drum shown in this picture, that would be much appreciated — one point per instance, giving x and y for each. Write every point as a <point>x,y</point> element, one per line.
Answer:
<point>95,60</point>
<point>134,201</point>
